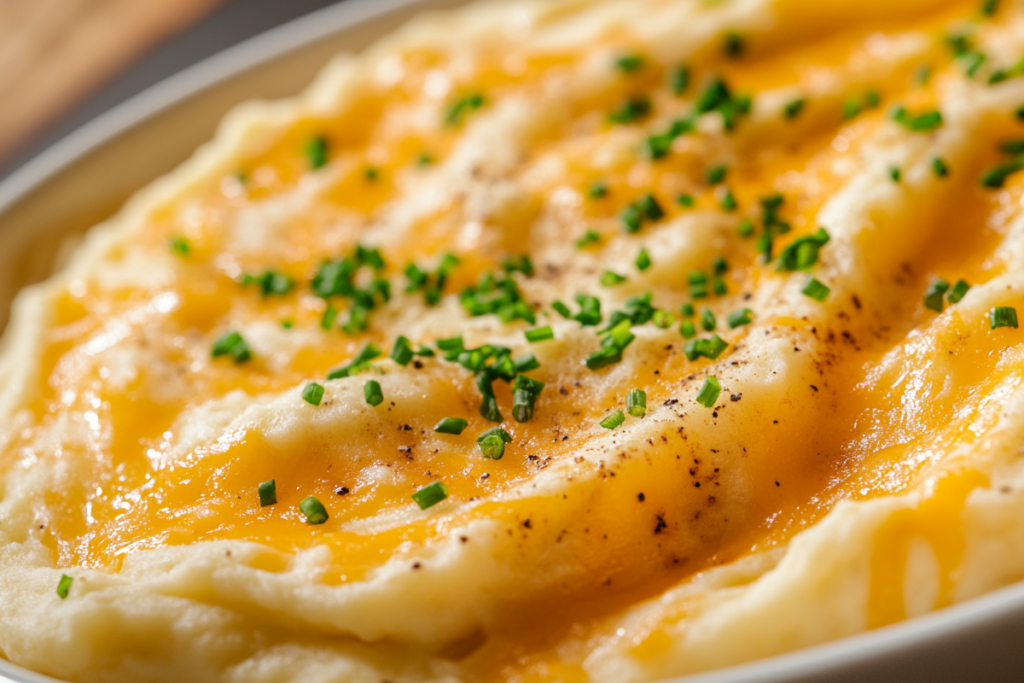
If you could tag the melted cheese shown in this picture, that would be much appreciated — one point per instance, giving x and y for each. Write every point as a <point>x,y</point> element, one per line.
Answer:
<point>132,457</point>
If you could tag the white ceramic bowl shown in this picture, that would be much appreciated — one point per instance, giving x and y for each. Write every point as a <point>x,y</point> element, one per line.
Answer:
<point>85,177</point>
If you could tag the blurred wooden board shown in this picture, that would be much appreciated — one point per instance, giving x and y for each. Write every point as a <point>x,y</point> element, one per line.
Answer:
<point>55,52</point>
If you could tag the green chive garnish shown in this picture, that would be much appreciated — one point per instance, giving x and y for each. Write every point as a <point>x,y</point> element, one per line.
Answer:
<point>232,344</point>
<point>685,200</point>
<point>727,200</point>
<point>803,252</point>
<point>629,63</point>
<point>995,177</point>
<point>313,393</point>
<point>613,420</point>
<point>793,108</point>
<point>524,395</point>
<point>939,167</point>
<point>328,318</point>
<point>679,80</point>
<point>402,352</point>
<point>663,319</point>
<point>733,45</point>
<point>707,320</point>
<point>597,190</point>
<point>492,443</point>
<point>687,329</point>
<point>921,123</point>
<point>539,334</point>
<point>430,495</point>
<point>636,403</point>
<point>744,316</point>
<point>63,586</point>
<point>745,228</point>
<point>610,279</point>
<point>373,393</point>
<point>459,109</point>
<point>180,246</point>
<point>268,493</point>
<point>643,260</point>
<point>717,174</point>
<point>287,324</point>
<point>451,425</point>
<point>709,392</point>
<point>895,174</point>
<point>687,310</point>
<point>316,152</point>
<point>589,237</point>
<point>815,289</point>
<point>631,109</point>
<point>314,510</point>
<point>1003,316</point>
<point>959,290</point>
<point>933,297</point>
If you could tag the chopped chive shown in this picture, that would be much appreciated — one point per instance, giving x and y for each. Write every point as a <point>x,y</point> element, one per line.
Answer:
<point>630,110</point>
<point>610,279</point>
<point>687,329</point>
<point>687,310</point>
<point>959,290</point>
<point>458,110</point>
<point>597,190</point>
<point>720,265</point>
<point>697,277</point>
<point>679,80</point>
<point>920,123</point>
<point>872,99</point>
<point>603,357</point>
<point>1012,146</point>
<point>561,309</point>
<point>524,396</point>
<point>895,174</point>
<point>727,200</point>
<point>685,200</point>
<point>425,159</point>
<point>733,45</point>
<point>933,297</point>
<point>526,362</point>
<point>451,425</point>
<point>707,320</point>
<point>989,7</point>
<point>64,586</point>
<point>180,246</point>
<point>939,167</point>
<point>815,289</point>
<point>539,334</point>
<point>424,351</point>
<point>709,392</point>
<point>648,204</point>
<point>851,108</point>
<point>402,352</point>
<point>613,420</point>
<point>745,228</point>
<point>371,173</point>
<point>718,286</point>
<point>267,492</point>
<point>373,393</point>
<point>717,174</point>
<point>1019,113</point>
<point>313,393</point>
<point>314,510</point>
<point>744,316</point>
<point>365,355</point>
<point>232,344</point>
<point>793,108</point>
<point>328,318</point>
<point>492,443</point>
<point>287,324</point>
<point>803,252</point>
<point>995,177</point>
<point>632,218</point>
<point>430,495</point>
<point>316,152</point>
<point>643,260</point>
<point>636,403</point>
<point>663,319</point>
<point>1003,316</point>
<point>629,63</point>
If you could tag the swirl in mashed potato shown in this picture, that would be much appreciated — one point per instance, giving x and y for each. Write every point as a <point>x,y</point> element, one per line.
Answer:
<point>545,341</point>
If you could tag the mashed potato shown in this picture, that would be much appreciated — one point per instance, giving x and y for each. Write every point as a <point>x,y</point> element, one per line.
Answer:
<point>591,340</point>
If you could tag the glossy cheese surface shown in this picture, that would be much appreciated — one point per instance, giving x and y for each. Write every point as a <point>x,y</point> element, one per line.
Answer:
<point>665,159</point>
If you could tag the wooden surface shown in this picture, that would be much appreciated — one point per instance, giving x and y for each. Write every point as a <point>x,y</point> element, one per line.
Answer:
<point>53,53</point>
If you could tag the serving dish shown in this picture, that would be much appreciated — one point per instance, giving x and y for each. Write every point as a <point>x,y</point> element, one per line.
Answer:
<point>87,176</point>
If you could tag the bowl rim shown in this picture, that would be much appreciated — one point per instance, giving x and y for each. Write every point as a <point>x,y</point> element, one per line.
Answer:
<point>818,662</point>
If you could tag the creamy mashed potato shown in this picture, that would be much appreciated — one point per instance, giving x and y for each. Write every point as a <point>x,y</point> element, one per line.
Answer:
<point>546,341</point>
